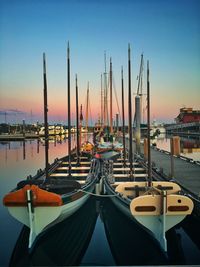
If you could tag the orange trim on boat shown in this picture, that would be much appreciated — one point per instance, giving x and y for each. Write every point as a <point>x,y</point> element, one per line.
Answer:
<point>41,198</point>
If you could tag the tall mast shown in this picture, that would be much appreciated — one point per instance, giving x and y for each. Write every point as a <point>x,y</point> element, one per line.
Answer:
<point>111,117</point>
<point>80,126</point>
<point>46,127</point>
<point>105,96</point>
<point>101,102</point>
<point>87,108</point>
<point>148,128</point>
<point>123,126</point>
<point>69,114</point>
<point>130,114</point>
<point>77,124</point>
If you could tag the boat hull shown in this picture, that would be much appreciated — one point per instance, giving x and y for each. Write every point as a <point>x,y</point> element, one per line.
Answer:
<point>70,236</point>
<point>154,222</point>
<point>41,216</point>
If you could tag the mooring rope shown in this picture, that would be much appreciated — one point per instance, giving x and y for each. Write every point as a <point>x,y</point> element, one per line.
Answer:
<point>96,195</point>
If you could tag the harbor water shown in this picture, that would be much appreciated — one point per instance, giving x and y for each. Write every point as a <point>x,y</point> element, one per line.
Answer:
<point>97,234</point>
<point>189,147</point>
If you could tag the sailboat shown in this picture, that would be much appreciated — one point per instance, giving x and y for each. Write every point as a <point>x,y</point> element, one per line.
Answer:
<point>106,137</point>
<point>57,192</point>
<point>87,146</point>
<point>156,206</point>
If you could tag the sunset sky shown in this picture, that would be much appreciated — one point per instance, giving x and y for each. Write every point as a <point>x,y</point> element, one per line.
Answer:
<point>167,32</point>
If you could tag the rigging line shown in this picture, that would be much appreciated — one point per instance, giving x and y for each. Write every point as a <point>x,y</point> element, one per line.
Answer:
<point>96,195</point>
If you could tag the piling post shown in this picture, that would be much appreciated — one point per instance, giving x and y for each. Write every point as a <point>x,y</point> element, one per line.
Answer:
<point>174,151</point>
<point>145,149</point>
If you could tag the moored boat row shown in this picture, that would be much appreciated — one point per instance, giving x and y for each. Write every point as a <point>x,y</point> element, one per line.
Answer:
<point>63,187</point>
<point>156,205</point>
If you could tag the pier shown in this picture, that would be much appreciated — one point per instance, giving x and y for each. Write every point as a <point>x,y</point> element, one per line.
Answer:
<point>186,171</point>
<point>189,129</point>
<point>18,137</point>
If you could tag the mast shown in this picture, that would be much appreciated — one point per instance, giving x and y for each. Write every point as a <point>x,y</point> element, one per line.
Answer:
<point>105,97</point>
<point>87,107</point>
<point>123,126</point>
<point>130,114</point>
<point>69,114</point>
<point>46,127</point>
<point>80,126</point>
<point>111,117</point>
<point>77,124</point>
<point>102,105</point>
<point>148,128</point>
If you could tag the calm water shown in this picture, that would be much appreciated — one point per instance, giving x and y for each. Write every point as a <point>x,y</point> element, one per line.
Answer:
<point>190,147</point>
<point>98,234</point>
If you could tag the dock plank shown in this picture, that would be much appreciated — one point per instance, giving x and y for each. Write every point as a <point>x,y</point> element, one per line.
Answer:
<point>186,173</point>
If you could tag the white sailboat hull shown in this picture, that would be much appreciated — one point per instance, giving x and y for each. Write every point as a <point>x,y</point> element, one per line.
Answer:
<point>157,214</point>
<point>45,217</point>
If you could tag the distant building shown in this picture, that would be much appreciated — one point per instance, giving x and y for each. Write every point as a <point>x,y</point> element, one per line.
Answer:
<point>187,115</point>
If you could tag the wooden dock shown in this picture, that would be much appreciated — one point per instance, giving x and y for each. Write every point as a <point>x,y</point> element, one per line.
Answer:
<point>18,137</point>
<point>22,137</point>
<point>186,171</point>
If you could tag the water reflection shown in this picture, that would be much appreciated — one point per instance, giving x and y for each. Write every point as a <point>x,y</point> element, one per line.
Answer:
<point>79,236</point>
<point>65,244</point>
<point>99,234</point>
<point>26,148</point>
<point>129,243</point>
<point>190,147</point>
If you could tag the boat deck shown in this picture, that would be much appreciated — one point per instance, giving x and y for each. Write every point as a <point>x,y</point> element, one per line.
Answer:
<point>79,172</point>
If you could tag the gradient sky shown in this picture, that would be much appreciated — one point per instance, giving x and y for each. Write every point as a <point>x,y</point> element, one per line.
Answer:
<point>167,32</point>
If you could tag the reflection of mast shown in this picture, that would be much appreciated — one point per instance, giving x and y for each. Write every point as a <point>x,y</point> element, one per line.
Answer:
<point>38,145</point>
<point>24,150</point>
<point>6,154</point>
<point>111,118</point>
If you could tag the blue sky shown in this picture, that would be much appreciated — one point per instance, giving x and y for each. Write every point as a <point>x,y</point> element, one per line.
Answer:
<point>167,32</point>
